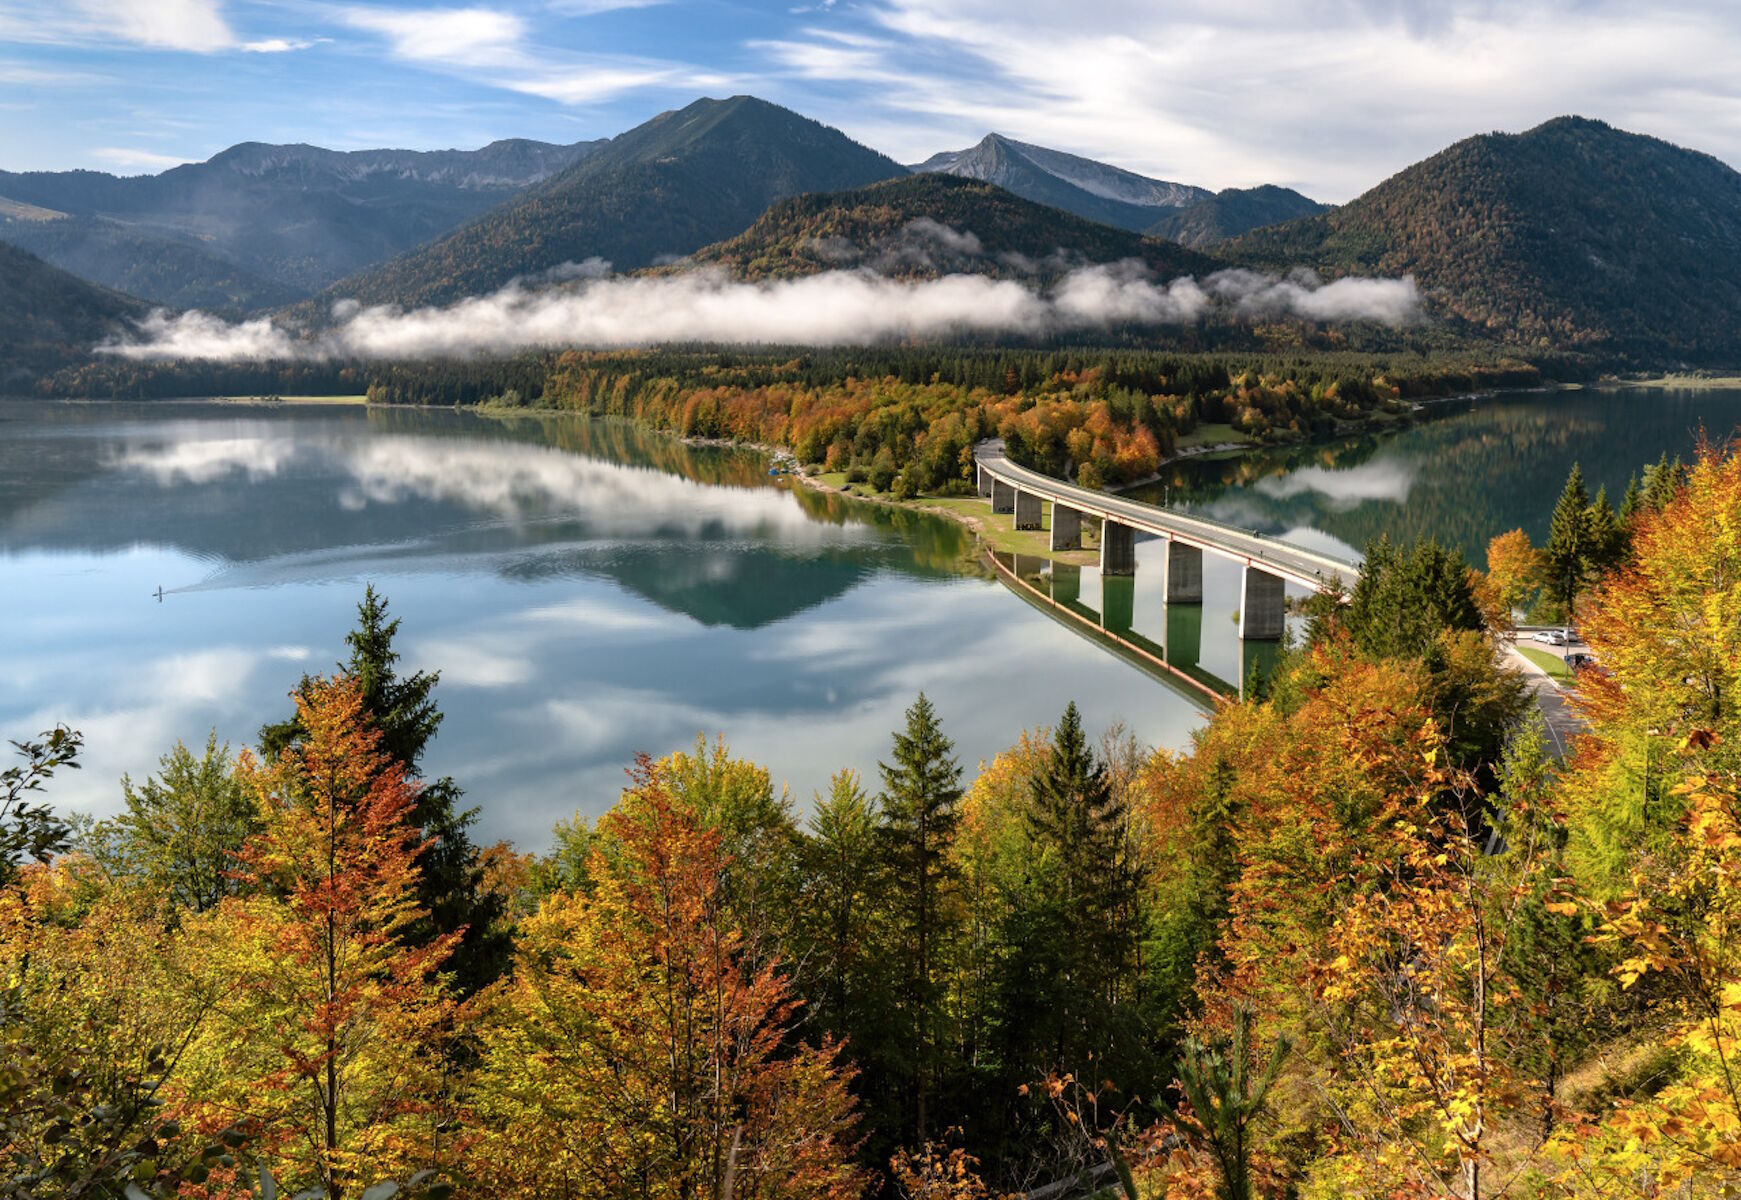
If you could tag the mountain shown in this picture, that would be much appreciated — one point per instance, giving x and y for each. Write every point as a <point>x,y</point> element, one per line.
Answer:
<point>1077,185</point>
<point>927,225</point>
<point>1572,234</point>
<point>261,225</point>
<point>49,317</point>
<point>1232,212</point>
<point>663,189</point>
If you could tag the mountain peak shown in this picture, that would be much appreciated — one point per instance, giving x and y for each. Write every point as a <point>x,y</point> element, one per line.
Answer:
<point>1079,185</point>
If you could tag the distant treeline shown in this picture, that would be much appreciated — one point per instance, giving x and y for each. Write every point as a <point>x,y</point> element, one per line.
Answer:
<point>900,418</point>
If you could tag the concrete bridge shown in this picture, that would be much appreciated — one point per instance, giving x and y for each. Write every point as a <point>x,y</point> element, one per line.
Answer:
<point>1268,563</point>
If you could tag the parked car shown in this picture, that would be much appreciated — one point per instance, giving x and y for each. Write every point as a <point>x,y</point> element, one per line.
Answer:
<point>1552,637</point>
<point>1577,662</point>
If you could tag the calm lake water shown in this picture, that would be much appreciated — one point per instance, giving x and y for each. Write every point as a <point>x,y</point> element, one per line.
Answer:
<point>586,592</point>
<point>589,592</point>
<point>1471,469</point>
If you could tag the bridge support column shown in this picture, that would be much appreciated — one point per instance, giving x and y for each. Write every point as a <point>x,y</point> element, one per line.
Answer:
<point>1003,497</point>
<point>1262,605</point>
<point>981,479</point>
<point>1118,603</point>
<point>1027,510</point>
<point>1117,548</point>
<point>1066,527</point>
<point>1184,573</point>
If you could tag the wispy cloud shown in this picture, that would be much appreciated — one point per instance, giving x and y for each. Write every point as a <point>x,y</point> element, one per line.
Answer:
<point>193,25</point>
<point>126,157</point>
<point>279,45</point>
<point>495,47</point>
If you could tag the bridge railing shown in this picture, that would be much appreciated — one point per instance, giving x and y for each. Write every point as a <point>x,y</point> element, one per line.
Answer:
<point>996,459</point>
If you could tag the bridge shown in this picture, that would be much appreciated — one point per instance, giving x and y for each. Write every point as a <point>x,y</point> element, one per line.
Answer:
<point>1269,564</point>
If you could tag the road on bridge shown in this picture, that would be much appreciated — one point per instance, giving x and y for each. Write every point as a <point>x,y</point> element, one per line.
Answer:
<point>1303,566</point>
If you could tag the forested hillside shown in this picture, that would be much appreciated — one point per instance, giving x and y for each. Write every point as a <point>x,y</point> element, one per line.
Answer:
<point>48,317</point>
<point>1229,213</point>
<point>1574,234</point>
<point>663,189</point>
<point>930,225</point>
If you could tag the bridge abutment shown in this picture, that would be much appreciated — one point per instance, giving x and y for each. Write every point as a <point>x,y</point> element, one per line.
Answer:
<point>1027,510</point>
<point>1066,527</point>
<point>1262,605</point>
<point>1184,573</point>
<point>1117,548</point>
<point>1003,497</point>
<point>982,481</point>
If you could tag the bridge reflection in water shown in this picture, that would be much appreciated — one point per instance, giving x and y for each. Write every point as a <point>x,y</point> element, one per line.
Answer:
<point>1168,644</point>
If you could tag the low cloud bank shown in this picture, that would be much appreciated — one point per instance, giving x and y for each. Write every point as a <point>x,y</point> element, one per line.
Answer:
<point>844,307</point>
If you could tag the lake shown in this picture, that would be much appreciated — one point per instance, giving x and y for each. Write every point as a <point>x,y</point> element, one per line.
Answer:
<point>586,591</point>
<point>589,591</point>
<point>1470,469</point>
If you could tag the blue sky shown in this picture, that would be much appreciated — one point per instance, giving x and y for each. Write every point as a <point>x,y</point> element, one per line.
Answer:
<point>1325,95</point>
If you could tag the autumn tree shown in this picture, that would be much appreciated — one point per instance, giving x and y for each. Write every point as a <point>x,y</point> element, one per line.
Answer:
<point>330,1040</point>
<point>1652,806</point>
<point>403,709</point>
<point>921,789</point>
<point>637,1051</point>
<point>1515,568</point>
<point>103,999</point>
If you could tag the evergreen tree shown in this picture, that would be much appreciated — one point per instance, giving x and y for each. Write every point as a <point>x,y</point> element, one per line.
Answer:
<point>1633,501</point>
<point>1568,549</point>
<point>450,889</point>
<point>1661,481</point>
<point>1605,534</point>
<point>1406,598</point>
<point>1078,829</point>
<point>920,793</point>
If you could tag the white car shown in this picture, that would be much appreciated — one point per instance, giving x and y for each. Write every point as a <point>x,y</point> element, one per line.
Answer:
<point>1552,637</point>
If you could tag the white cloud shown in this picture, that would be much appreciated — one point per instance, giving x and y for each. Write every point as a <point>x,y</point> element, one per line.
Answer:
<point>197,25</point>
<point>279,45</point>
<point>833,308</point>
<point>497,48</point>
<point>470,37</point>
<point>1326,95</point>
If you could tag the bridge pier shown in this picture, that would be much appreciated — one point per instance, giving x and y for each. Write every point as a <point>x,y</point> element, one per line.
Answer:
<point>1117,548</point>
<point>1003,497</point>
<point>1027,510</point>
<point>1066,527</point>
<point>981,479</point>
<point>1118,603</point>
<point>1262,605</point>
<point>1183,574</point>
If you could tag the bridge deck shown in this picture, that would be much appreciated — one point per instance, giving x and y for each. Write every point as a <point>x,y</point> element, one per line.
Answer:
<point>1307,567</point>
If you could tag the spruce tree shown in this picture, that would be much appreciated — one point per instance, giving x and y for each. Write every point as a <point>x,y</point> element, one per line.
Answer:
<point>1633,501</point>
<point>1077,824</point>
<point>1568,548</point>
<point>1605,534</point>
<point>921,790</point>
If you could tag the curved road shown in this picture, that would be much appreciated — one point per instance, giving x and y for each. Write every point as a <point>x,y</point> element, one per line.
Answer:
<point>1306,567</point>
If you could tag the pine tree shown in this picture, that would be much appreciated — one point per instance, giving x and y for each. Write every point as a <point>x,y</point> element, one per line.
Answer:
<point>1661,481</point>
<point>1568,548</point>
<point>920,793</point>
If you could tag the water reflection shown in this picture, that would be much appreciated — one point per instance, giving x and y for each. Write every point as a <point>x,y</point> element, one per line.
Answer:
<point>1470,470</point>
<point>587,593</point>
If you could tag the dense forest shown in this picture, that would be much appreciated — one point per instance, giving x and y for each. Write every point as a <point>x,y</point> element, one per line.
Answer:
<point>1368,937</point>
<point>900,417</point>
